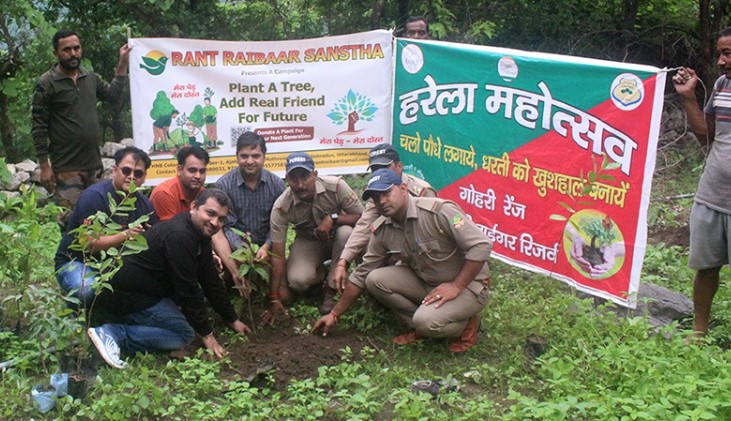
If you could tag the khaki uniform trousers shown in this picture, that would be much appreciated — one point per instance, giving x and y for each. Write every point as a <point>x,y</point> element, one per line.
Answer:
<point>306,255</point>
<point>398,288</point>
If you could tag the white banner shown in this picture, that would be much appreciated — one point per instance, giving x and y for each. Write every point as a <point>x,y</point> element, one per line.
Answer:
<point>328,96</point>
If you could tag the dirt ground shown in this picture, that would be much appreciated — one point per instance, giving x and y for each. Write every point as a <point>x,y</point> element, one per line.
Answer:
<point>286,351</point>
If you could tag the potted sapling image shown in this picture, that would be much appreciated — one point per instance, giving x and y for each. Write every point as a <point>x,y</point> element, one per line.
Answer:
<point>594,244</point>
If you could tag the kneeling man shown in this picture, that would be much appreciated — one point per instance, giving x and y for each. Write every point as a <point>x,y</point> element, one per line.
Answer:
<point>159,296</point>
<point>441,283</point>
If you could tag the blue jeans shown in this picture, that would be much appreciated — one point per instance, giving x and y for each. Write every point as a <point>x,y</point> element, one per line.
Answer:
<point>79,278</point>
<point>161,327</point>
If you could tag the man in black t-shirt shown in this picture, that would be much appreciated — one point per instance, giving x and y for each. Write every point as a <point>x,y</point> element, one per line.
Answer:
<point>158,297</point>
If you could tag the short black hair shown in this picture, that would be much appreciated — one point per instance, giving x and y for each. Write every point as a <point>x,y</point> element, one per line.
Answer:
<point>725,33</point>
<point>417,19</point>
<point>196,151</point>
<point>137,153</point>
<point>64,33</point>
<point>219,195</point>
<point>251,140</point>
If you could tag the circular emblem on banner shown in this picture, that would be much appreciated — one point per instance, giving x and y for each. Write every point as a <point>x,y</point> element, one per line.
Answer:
<point>412,58</point>
<point>507,69</point>
<point>627,92</point>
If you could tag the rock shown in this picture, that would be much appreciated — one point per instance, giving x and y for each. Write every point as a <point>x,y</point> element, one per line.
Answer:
<point>22,176</point>
<point>11,168</point>
<point>128,141</point>
<point>662,305</point>
<point>27,166</point>
<point>110,148</point>
<point>14,182</point>
<point>10,194</point>
<point>36,176</point>
<point>107,163</point>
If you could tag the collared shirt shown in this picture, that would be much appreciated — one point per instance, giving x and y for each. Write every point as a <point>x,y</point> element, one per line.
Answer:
<point>169,199</point>
<point>251,208</point>
<point>178,264</point>
<point>332,195</point>
<point>434,241</point>
<point>358,239</point>
<point>714,187</point>
<point>91,201</point>
<point>65,125</point>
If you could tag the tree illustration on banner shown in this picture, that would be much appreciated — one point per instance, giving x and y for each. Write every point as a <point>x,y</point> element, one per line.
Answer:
<point>352,108</point>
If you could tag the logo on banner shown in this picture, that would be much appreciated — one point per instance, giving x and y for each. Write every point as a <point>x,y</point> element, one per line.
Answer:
<point>351,109</point>
<point>412,58</point>
<point>507,69</point>
<point>627,92</point>
<point>154,62</point>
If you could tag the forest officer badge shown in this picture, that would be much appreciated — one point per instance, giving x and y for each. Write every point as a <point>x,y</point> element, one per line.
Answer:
<point>457,221</point>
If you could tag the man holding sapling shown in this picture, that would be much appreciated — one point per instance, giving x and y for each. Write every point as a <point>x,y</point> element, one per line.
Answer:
<point>323,211</point>
<point>130,165</point>
<point>441,285</point>
<point>158,297</point>
<point>253,190</point>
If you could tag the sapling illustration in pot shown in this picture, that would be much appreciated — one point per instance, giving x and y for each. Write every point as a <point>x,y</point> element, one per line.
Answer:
<point>601,233</point>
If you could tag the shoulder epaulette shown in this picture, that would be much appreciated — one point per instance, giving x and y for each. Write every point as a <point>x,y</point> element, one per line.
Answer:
<point>431,204</point>
<point>377,223</point>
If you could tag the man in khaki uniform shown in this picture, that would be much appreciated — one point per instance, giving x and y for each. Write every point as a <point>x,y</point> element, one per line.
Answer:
<point>381,156</point>
<point>323,211</point>
<point>441,284</point>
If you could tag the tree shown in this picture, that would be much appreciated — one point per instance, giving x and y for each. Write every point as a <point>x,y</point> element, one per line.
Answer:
<point>20,25</point>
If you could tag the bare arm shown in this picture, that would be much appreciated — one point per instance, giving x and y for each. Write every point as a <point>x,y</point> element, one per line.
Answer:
<point>702,126</point>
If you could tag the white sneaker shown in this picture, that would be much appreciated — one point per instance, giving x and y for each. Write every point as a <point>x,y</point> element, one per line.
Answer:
<point>107,347</point>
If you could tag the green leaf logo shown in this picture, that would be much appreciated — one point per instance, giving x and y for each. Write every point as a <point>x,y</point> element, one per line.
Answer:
<point>154,62</point>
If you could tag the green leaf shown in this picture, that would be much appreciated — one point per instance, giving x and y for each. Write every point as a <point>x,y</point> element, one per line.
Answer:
<point>557,217</point>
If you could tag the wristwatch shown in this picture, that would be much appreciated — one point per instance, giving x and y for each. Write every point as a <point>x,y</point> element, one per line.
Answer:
<point>334,217</point>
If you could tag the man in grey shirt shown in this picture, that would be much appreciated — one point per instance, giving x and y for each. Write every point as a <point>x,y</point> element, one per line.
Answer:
<point>710,219</point>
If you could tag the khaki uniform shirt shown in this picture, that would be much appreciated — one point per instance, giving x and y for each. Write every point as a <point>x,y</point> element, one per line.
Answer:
<point>332,195</point>
<point>362,232</point>
<point>434,242</point>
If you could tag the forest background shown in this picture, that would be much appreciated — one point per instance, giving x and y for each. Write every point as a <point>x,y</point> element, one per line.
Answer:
<point>663,33</point>
<point>596,364</point>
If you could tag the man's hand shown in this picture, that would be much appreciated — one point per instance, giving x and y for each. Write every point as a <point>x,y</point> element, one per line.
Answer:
<point>218,262</point>
<point>268,317</point>
<point>124,54</point>
<point>441,294</point>
<point>324,229</point>
<point>262,254</point>
<point>48,179</point>
<point>340,276</point>
<point>240,327</point>
<point>685,82</point>
<point>211,343</point>
<point>325,323</point>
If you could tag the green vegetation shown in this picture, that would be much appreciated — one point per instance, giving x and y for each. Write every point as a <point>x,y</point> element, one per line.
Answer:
<point>597,365</point>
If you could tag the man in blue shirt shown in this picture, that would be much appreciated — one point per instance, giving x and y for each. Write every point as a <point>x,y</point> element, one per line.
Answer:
<point>253,190</point>
<point>131,164</point>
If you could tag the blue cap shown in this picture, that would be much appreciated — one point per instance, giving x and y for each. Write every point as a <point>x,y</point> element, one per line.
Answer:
<point>300,160</point>
<point>381,180</point>
<point>382,155</point>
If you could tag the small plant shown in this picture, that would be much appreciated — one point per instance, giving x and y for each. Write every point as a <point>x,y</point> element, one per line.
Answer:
<point>256,273</point>
<point>103,264</point>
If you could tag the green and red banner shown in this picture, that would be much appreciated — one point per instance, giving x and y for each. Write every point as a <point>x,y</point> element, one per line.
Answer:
<point>552,156</point>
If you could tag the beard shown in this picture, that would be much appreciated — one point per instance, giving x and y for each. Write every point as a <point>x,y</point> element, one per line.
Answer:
<point>70,64</point>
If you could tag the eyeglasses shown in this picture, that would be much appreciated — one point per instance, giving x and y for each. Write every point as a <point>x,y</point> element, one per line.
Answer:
<point>127,171</point>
